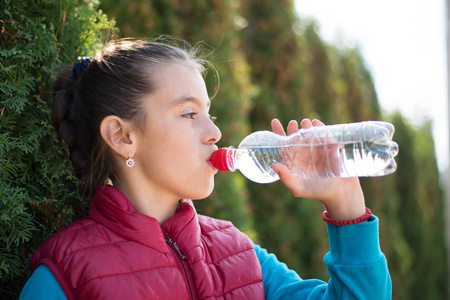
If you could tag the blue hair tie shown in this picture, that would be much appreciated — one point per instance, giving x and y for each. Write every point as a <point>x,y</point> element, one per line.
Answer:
<point>79,68</point>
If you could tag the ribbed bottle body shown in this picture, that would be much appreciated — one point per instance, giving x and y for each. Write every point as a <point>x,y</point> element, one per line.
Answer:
<point>343,150</point>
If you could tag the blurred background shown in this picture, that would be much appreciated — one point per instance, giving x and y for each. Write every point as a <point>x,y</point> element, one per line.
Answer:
<point>340,62</point>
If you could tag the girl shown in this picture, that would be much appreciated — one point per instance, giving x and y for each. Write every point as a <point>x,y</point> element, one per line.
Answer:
<point>137,116</point>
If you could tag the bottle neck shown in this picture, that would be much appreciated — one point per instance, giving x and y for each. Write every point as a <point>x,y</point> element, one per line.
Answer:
<point>224,159</point>
<point>230,158</point>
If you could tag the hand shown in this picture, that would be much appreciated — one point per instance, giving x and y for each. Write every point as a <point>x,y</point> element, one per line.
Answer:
<point>342,197</point>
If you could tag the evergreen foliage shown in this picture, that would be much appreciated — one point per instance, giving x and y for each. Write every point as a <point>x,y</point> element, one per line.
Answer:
<point>419,257</point>
<point>271,64</point>
<point>37,188</point>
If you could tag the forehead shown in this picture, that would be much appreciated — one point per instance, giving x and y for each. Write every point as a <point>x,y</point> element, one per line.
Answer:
<point>189,100</point>
<point>179,84</point>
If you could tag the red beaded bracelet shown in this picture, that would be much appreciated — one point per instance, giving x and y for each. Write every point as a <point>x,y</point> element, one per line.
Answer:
<point>363,218</point>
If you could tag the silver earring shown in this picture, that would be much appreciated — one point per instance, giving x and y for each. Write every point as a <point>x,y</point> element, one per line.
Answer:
<point>130,161</point>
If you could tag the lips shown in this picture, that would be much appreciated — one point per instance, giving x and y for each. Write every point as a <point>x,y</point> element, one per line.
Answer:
<point>210,154</point>
<point>209,158</point>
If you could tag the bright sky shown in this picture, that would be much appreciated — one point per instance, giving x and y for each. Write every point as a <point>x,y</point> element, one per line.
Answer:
<point>404,45</point>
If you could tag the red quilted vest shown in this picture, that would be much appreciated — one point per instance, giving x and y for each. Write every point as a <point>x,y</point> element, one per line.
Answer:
<point>118,253</point>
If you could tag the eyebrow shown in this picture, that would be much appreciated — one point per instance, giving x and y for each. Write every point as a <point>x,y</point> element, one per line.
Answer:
<point>181,101</point>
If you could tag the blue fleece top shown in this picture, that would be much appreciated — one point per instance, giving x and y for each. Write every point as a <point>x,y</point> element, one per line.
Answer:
<point>357,269</point>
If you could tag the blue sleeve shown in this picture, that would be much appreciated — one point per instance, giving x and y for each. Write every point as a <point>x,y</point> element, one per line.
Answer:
<point>357,268</point>
<point>42,285</point>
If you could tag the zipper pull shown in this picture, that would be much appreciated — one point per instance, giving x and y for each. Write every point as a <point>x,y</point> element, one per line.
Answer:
<point>174,246</point>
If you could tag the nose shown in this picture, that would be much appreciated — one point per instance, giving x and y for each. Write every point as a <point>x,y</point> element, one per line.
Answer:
<point>213,133</point>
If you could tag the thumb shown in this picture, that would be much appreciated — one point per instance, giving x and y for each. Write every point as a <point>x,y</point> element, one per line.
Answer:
<point>292,182</point>
<point>280,169</point>
<point>287,178</point>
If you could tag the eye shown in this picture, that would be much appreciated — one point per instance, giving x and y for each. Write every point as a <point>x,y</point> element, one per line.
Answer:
<point>189,115</point>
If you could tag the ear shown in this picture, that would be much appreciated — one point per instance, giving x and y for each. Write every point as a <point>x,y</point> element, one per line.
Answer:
<point>117,134</point>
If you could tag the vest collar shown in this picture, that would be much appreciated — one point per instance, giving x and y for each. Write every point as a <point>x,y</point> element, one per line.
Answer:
<point>114,210</point>
<point>184,228</point>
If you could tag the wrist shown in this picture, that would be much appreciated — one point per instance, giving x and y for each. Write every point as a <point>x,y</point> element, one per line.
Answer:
<point>347,202</point>
<point>359,219</point>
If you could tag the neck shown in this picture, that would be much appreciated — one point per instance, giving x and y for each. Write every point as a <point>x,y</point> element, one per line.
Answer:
<point>147,202</point>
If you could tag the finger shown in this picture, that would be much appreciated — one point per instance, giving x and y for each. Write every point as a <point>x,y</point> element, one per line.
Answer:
<point>311,137</point>
<point>316,122</point>
<point>292,127</point>
<point>292,182</point>
<point>306,123</point>
<point>320,139</point>
<point>277,127</point>
<point>283,171</point>
<point>328,138</point>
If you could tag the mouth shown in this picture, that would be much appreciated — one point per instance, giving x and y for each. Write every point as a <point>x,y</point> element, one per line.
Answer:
<point>215,148</point>
<point>211,165</point>
<point>211,169</point>
<point>209,162</point>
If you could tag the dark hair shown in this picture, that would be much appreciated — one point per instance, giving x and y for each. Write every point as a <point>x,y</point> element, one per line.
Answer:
<point>112,83</point>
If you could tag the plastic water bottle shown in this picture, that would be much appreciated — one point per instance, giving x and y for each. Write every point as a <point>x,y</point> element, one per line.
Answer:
<point>362,149</point>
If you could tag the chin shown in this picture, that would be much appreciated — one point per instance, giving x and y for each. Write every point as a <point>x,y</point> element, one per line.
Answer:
<point>204,194</point>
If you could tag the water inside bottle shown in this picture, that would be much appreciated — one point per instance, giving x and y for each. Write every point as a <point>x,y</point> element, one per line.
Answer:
<point>311,161</point>
<point>366,159</point>
<point>254,163</point>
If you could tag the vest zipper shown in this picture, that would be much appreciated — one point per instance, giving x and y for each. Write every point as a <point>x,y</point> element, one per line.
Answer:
<point>184,265</point>
<point>175,247</point>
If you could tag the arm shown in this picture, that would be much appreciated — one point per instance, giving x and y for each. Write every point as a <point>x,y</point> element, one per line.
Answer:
<point>355,263</point>
<point>42,285</point>
<point>357,268</point>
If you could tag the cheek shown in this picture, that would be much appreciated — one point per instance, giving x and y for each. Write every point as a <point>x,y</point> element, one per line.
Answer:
<point>171,149</point>
<point>169,155</point>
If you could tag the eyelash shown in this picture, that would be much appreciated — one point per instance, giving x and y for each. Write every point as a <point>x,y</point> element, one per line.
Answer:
<point>192,114</point>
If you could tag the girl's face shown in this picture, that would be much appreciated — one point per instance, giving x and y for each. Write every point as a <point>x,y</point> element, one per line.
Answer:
<point>172,152</point>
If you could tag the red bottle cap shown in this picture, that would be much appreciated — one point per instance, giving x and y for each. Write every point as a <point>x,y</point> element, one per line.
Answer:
<point>221,159</point>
